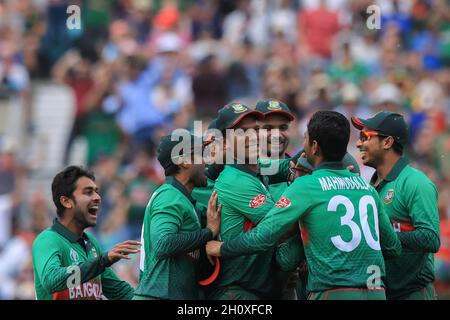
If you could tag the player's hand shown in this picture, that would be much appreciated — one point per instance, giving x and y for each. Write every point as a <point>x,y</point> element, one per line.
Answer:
<point>213,248</point>
<point>350,168</point>
<point>122,250</point>
<point>213,215</point>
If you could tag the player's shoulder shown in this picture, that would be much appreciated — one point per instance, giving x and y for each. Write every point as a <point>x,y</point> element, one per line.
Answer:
<point>413,177</point>
<point>167,196</point>
<point>45,237</point>
<point>231,176</point>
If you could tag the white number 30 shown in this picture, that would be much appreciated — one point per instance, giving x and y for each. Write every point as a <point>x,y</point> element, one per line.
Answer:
<point>347,220</point>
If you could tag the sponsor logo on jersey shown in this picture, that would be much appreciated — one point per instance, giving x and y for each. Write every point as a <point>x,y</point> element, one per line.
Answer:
<point>91,290</point>
<point>238,108</point>
<point>283,203</point>
<point>257,201</point>
<point>74,256</point>
<point>94,252</point>
<point>274,105</point>
<point>389,196</point>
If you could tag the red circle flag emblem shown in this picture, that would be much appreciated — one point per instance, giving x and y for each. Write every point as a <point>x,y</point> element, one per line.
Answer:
<point>283,203</point>
<point>257,201</point>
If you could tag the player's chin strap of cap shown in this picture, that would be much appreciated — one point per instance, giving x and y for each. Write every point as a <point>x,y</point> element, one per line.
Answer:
<point>213,276</point>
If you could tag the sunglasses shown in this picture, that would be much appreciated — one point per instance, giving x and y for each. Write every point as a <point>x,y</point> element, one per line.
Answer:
<point>367,135</point>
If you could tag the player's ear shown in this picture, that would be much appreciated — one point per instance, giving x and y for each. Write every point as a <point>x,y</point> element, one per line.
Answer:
<point>315,148</point>
<point>66,202</point>
<point>388,143</point>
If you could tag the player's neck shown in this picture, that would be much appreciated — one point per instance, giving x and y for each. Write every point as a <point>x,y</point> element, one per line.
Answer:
<point>386,166</point>
<point>253,167</point>
<point>185,181</point>
<point>72,226</point>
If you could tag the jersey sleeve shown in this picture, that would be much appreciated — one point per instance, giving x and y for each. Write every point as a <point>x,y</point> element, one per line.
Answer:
<point>166,219</point>
<point>49,269</point>
<point>113,287</point>
<point>421,199</point>
<point>251,200</point>
<point>293,204</point>
<point>290,253</point>
<point>389,242</point>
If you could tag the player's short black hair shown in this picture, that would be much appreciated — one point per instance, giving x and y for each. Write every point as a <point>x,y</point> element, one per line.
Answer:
<point>331,130</point>
<point>65,183</point>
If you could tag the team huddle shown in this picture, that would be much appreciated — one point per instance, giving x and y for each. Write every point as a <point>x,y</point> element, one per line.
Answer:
<point>234,230</point>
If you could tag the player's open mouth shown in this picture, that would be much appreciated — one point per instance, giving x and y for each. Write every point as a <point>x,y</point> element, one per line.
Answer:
<point>93,210</point>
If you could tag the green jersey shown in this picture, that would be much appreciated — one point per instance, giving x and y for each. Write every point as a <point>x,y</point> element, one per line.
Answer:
<point>171,239</point>
<point>410,200</point>
<point>61,260</point>
<point>201,196</point>
<point>344,228</point>
<point>245,200</point>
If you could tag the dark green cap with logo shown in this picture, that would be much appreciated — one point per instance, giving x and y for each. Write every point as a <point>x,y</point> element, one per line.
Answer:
<point>270,106</point>
<point>231,114</point>
<point>386,123</point>
<point>168,143</point>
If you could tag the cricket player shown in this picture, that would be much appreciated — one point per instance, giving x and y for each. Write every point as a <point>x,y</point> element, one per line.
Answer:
<point>409,199</point>
<point>243,192</point>
<point>68,262</point>
<point>346,234</point>
<point>171,233</point>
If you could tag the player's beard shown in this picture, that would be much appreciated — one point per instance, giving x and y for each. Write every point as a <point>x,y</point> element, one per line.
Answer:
<point>83,218</point>
<point>198,177</point>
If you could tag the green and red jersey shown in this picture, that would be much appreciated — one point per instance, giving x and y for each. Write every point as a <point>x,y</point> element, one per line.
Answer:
<point>345,231</point>
<point>172,237</point>
<point>61,258</point>
<point>410,200</point>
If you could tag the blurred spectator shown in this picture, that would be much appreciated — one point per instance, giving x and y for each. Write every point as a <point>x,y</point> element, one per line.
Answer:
<point>74,71</point>
<point>318,27</point>
<point>12,177</point>
<point>387,97</point>
<point>209,87</point>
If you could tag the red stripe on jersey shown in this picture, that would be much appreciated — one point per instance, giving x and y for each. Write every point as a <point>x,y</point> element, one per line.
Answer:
<point>248,225</point>
<point>403,226</point>
<point>304,234</point>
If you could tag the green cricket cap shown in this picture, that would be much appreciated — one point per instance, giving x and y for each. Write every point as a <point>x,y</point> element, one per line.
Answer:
<point>386,123</point>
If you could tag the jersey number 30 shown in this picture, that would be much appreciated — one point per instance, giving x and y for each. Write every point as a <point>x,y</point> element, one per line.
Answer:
<point>347,220</point>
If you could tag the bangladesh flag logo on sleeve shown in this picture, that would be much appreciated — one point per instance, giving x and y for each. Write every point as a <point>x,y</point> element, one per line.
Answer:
<point>389,196</point>
<point>283,203</point>
<point>257,201</point>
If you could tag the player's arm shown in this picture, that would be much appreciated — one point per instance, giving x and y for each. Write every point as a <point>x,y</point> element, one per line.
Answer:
<point>281,168</point>
<point>389,242</point>
<point>290,253</point>
<point>251,201</point>
<point>421,200</point>
<point>112,286</point>
<point>53,276</point>
<point>169,241</point>
<point>274,225</point>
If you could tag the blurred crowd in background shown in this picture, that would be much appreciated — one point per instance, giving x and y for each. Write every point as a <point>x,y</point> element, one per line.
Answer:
<point>140,68</point>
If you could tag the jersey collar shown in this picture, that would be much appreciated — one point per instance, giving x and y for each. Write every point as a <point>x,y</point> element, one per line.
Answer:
<point>245,169</point>
<point>257,175</point>
<point>392,175</point>
<point>178,185</point>
<point>66,233</point>
<point>333,165</point>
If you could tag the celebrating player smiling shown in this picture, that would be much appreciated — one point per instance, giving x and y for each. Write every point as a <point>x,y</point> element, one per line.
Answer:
<point>68,262</point>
